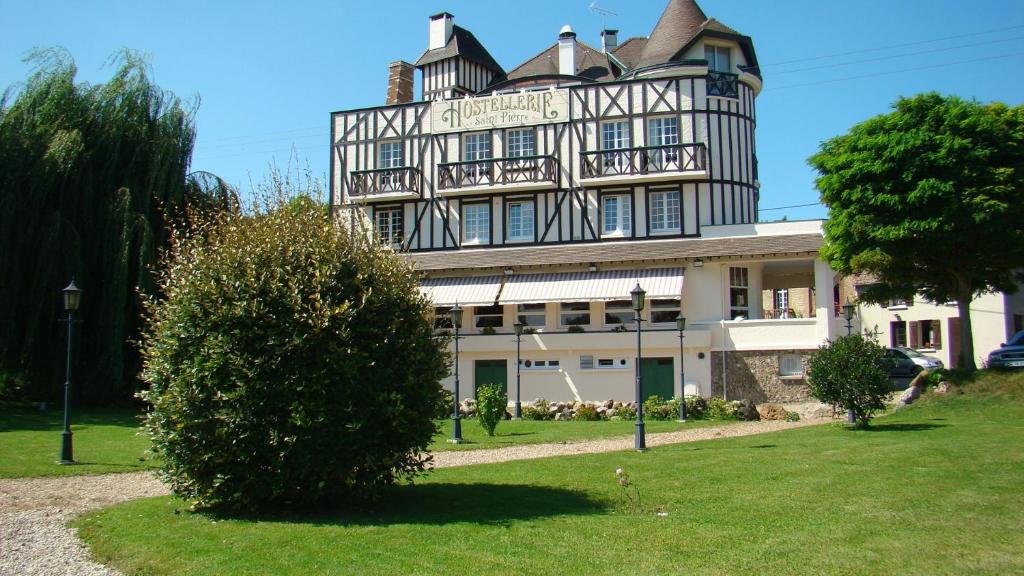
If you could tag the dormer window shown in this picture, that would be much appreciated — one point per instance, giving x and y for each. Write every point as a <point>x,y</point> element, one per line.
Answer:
<point>718,58</point>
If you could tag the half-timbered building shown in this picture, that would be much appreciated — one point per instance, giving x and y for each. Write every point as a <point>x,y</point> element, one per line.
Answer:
<point>543,194</point>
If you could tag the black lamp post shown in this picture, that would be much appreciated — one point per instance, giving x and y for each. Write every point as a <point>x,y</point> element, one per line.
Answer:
<point>72,298</point>
<point>639,442</point>
<point>681,326</point>
<point>848,312</point>
<point>518,410</point>
<point>455,313</point>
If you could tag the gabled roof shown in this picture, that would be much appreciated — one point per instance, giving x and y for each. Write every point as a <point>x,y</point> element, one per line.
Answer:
<point>464,44</point>
<point>590,63</point>
<point>680,25</point>
<point>629,51</point>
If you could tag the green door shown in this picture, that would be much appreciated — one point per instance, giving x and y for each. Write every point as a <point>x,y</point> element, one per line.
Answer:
<point>658,377</point>
<point>490,372</point>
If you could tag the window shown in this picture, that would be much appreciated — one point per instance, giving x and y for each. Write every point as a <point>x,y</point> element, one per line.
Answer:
<point>389,225</point>
<point>664,212</point>
<point>926,334</point>
<point>718,58</point>
<point>615,136</point>
<point>899,303</point>
<point>540,364</point>
<point>618,312</point>
<point>898,334</point>
<point>663,132</point>
<point>531,315</point>
<point>575,313</point>
<point>441,317</point>
<point>390,155</point>
<point>617,215</point>
<point>739,304</point>
<point>664,311</point>
<point>477,147</point>
<point>476,224</point>
<point>487,316</point>
<point>791,365</point>
<point>589,363</point>
<point>520,221</point>
<point>521,143</point>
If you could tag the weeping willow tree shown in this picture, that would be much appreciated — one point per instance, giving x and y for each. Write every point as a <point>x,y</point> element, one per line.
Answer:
<point>92,177</point>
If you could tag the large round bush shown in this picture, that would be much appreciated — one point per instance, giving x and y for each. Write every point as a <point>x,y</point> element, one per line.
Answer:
<point>290,363</point>
<point>852,373</point>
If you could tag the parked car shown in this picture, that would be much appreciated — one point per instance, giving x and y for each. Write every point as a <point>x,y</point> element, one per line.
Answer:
<point>907,362</point>
<point>1009,355</point>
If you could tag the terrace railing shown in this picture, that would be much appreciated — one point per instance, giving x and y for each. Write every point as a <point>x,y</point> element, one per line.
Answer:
<point>496,171</point>
<point>645,160</point>
<point>383,180</point>
<point>723,84</point>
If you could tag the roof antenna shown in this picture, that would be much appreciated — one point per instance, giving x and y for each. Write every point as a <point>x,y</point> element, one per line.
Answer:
<point>602,12</point>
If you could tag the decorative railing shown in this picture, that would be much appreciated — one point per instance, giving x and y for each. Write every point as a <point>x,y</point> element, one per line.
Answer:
<point>496,171</point>
<point>723,84</point>
<point>383,180</point>
<point>646,160</point>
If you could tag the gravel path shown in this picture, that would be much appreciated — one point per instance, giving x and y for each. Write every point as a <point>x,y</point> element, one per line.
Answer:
<point>35,541</point>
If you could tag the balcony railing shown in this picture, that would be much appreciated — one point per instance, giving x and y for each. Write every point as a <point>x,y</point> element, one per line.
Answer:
<point>384,180</point>
<point>723,84</point>
<point>496,171</point>
<point>646,160</point>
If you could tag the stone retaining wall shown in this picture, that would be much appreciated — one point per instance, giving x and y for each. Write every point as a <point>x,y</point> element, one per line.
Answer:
<point>754,375</point>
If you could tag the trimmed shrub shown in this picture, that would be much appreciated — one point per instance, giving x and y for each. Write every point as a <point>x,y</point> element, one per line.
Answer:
<point>655,408</point>
<point>292,363</point>
<point>627,412</point>
<point>539,410</point>
<point>586,413</point>
<point>696,407</point>
<point>491,402</point>
<point>721,409</point>
<point>851,373</point>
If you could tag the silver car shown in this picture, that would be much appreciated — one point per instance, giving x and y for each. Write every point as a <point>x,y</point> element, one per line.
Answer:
<point>907,362</point>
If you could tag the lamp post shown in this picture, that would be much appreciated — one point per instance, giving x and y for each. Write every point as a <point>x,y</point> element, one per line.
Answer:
<point>639,440</point>
<point>518,410</point>
<point>72,298</point>
<point>848,311</point>
<point>455,313</point>
<point>681,326</point>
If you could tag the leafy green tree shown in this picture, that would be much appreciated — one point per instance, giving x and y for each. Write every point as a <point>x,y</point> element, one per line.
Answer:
<point>851,373</point>
<point>91,174</point>
<point>928,199</point>
<point>290,363</point>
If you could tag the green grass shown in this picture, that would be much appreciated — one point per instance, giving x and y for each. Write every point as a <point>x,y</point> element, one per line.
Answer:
<point>935,489</point>
<point>104,440</point>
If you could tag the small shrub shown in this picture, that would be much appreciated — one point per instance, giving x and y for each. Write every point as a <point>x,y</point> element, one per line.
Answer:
<point>851,373</point>
<point>721,409</point>
<point>491,402</point>
<point>696,407</point>
<point>655,408</point>
<point>586,413</point>
<point>792,417</point>
<point>539,410</point>
<point>627,412</point>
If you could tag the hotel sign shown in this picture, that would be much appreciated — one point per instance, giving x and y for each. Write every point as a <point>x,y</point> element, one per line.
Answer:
<point>500,111</point>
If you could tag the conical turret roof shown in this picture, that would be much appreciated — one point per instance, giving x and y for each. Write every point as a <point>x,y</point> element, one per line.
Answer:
<point>679,23</point>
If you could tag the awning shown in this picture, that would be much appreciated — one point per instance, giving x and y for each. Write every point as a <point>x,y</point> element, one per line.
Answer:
<point>584,286</point>
<point>468,291</point>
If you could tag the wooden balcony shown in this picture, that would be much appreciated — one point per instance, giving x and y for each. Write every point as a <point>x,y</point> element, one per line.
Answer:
<point>662,162</point>
<point>524,172</point>
<point>384,183</point>
<point>723,84</point>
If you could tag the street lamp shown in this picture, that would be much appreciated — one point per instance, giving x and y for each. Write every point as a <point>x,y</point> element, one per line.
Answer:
<point>848,312</point>
<point>72,298</point>
<point>638,295</point>
<point>681,326</point>
<point>518,410</point>
<point>455,313</point>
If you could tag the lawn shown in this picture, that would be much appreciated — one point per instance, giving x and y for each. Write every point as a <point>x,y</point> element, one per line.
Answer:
<point>934,489</point>
<point>105,440</point>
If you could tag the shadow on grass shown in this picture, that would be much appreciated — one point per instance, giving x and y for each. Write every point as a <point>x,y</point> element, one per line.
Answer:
<point>902,427</point>
<point>25,418</point>
<point>441,504</point>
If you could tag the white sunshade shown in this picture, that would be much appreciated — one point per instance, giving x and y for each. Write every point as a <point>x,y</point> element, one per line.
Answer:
<point>584,286</point>
<point>468,291</point>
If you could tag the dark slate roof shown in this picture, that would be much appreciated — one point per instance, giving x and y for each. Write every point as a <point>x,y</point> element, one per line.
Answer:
<point>629,51</point>
<point>678,25</point>
<point>625,251</point>
<point>590,63</point>
<point>462,43</point>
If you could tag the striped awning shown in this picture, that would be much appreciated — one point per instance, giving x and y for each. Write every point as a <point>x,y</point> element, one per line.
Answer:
<point>602,285</point>
<point>468,291</point>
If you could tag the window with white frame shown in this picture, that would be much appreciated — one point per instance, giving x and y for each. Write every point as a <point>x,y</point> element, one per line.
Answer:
<point>487,316</point>
<point>663,131</point>
<point>531,315</point>
<point>781,298</point>
<point>388,222</point>
<point>618,312</point>
<point>718,58</point>
<point>520,143</point>
<point>476,147</point>
<point>520,220</point>
<point>476,223</point>
<point>575,313</point>
<point>589,362</point>
<point>615,138</point>
<point>791,365</point>
<point>664,210</point>
<point>664,311</point>
<point>617,215</point>
<point>739,292</point>
<point>390,155</point>
<point>540,364</point>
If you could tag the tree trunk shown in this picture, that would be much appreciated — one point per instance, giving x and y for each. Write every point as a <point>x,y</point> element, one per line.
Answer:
<point>963,304</point>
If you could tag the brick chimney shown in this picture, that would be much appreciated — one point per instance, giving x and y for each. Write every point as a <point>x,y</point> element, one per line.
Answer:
<point>400,80</point>
<point>567,51</point>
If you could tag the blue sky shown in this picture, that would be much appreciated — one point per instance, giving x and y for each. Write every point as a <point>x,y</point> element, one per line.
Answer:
<point>269,73</point>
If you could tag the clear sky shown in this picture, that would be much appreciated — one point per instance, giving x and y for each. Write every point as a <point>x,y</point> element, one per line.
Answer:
<point>269,73</point>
